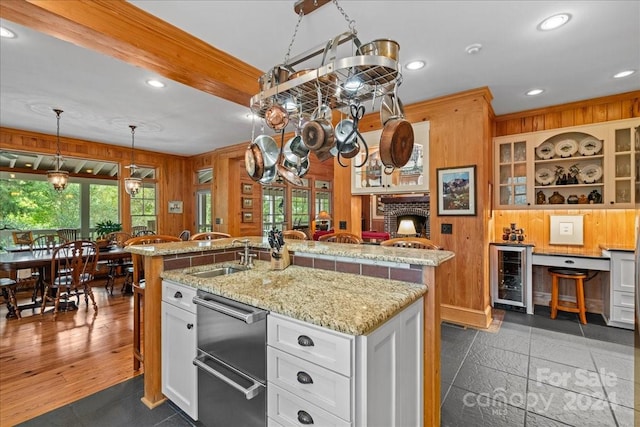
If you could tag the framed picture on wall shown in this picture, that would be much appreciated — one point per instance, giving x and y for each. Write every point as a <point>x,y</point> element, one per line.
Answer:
<point>247,216</point>
<point>457,190</point>
<point>175,206</point>
<point>247,203</point>
<point>247,188</point>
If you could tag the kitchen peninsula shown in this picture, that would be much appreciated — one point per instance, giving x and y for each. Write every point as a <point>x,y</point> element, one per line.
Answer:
<point>415,266</point>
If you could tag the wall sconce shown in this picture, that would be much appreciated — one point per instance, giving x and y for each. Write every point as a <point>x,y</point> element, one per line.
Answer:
<point>407,228</point>
<point>324,218</point>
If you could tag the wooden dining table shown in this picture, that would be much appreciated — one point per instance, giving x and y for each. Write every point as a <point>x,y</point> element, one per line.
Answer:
<point>40,259</point>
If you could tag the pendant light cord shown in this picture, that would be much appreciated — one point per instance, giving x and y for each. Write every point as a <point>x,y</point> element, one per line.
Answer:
<point>133,130</point>
<point>58,112</point>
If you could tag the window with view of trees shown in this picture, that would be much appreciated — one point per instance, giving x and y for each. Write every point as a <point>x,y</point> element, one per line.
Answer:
<point>28,202</point>
<point>143,207</point>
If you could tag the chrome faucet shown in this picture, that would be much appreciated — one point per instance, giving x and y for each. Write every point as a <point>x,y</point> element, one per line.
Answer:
<point>246,258</point>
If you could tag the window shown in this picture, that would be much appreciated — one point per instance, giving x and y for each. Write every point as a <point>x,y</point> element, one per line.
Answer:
<point>203,207</point>
<point>273,208</point>
<point>27,202</point>
<point>143,207</point>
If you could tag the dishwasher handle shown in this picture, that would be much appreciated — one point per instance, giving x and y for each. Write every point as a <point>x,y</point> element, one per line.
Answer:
<point>249,393</point>
<point>247,317</point>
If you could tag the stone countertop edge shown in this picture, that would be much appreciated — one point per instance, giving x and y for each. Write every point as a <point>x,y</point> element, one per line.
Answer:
<point>372,252</point>
<point>348,303</point>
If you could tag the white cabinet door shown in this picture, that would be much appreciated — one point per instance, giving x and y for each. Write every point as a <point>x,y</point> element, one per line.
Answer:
<point>179,374</point>
<point>370,176</point>
<point>389,388</point>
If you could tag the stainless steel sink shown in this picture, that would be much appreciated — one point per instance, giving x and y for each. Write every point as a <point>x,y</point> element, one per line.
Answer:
<point>219,271</point>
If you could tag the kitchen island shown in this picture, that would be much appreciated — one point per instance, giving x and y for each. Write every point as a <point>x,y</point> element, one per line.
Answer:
<point>413,266</point>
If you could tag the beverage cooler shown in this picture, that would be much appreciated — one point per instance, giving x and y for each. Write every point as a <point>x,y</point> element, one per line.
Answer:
<point>511,277</point>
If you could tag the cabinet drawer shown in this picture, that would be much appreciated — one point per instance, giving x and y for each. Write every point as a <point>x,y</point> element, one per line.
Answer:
<point>601,264</point>
<point>179,295</point>
<point>287,409</point>
<point>327,389</point>
<point>322,346</point>
<point>622,314</point>
<point>623,299</point>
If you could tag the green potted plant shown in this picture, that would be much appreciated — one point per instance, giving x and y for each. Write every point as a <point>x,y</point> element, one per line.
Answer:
<point>103,228</point>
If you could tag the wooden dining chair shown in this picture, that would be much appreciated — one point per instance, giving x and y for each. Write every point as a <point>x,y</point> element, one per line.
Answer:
<point>116,268</point>
<point>73,265</point>
<point>295,235</point>
<point>136,275</point>
<point>341,238</point>
<point>46,241</point>
<point>411,242</point>
<point>139,230</point>
<point>210,235</point>
<point>184,235</point>
<point>67,234</point>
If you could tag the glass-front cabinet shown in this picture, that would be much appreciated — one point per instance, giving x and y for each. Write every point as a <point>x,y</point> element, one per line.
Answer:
<point>511,277</point>
<point>511,161</point>
<point>595,165</point>
<point>369,175</point>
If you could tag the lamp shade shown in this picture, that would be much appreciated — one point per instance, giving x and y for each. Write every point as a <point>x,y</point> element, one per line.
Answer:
<point>323,216</point>
<point>132,185</point>
<point>407,228</point>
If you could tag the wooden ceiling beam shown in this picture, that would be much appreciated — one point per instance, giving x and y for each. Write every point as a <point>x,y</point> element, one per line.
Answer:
<point>121,30</point>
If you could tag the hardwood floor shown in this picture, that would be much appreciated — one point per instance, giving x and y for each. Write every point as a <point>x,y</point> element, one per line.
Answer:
<point>45,364</point>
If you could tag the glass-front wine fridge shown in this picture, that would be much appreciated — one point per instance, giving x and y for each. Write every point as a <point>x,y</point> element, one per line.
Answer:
<point>511,277</point>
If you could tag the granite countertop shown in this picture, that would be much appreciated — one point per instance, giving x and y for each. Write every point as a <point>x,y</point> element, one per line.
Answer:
<point>371,252</point>
<point>344,302</point>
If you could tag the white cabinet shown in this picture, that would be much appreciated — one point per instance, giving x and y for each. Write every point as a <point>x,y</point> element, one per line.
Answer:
<point>620,309</point>
<point>179,343</point>
<point>320,376</point>
<point>371,176</point>
<point>592,164</point>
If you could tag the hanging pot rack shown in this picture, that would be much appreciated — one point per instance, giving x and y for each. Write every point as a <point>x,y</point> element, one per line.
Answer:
<point>342,84</point>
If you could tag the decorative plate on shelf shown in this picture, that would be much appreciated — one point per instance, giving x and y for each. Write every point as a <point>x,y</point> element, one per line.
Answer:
<point>566,148</point>
<point>545,150</point>
<point>590,174</point>
<point>590,146</point>
<point>545,176</point>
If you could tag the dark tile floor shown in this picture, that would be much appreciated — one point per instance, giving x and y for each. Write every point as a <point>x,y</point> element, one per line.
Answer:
<point>533,372</point>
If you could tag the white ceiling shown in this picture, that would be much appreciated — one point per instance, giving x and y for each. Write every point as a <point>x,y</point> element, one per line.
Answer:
<point>101,96</point>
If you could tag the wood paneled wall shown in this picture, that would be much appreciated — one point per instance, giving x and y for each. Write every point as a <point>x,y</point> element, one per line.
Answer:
<point>172,171</point>
<point>460,135</point>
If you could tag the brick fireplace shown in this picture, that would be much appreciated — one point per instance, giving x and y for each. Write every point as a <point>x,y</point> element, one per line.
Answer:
<point>412,207</point>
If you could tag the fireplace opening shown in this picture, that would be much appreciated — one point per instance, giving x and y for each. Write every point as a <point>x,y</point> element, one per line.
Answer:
<point>419,221</point>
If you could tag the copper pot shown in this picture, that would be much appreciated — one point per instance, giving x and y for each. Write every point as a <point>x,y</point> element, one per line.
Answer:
<point>276,117</point>
<point>396,143</point>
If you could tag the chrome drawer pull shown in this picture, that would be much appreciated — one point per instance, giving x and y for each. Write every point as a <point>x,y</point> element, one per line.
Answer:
<point>569,261</point>
<point>249,393</point>
<point>178,294</point>
<point>304,417</point>
<point>305,341</point>
<point>304,378</point>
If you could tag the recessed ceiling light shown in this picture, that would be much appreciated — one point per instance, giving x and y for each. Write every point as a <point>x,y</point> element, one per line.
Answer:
<point>534,92</point>
<point>89,170</point>
<point>7,33</point>
<point>473,48</point>
<point>555,21</point>
<point>624,73</point>
<point>155,83</point>
<point>415,65</point>
<point>28,165</point>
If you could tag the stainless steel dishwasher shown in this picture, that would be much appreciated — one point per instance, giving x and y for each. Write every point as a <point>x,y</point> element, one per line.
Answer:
<point>231,361</point>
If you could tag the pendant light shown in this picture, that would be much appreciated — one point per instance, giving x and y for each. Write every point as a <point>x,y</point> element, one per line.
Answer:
<point>132,185</point>
<point>57,177</point>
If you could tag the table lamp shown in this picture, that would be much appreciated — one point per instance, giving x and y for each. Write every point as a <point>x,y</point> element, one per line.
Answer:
<point>407,228</point>
<point>323,217</point>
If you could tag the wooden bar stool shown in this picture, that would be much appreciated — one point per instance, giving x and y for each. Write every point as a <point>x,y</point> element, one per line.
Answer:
<point>556,304</point>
